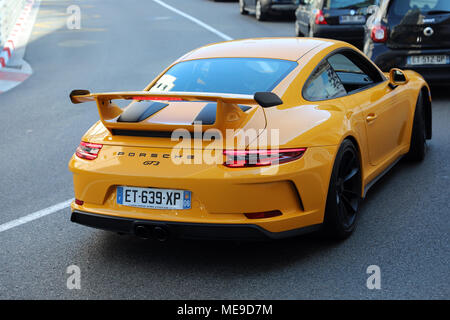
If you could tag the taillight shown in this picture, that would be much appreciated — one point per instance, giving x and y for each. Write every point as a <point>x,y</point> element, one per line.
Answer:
<point>320,18</point>
<point>259,158</point>
<point>379,34</point>
<point>88,151</point>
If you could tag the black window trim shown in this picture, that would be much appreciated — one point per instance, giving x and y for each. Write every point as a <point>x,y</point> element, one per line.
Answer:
<point>340,50</point>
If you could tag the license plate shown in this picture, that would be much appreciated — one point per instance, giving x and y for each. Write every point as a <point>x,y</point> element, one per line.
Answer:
<point>153,198</point>
<point>428,59</point>
<point>352,19</point>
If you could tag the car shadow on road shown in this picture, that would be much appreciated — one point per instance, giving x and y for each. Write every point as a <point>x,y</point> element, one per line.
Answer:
<point>275,19</point>
<point>228,256</point>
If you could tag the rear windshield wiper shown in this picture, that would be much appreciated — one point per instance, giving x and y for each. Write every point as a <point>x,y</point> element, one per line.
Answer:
<point>438,12</point>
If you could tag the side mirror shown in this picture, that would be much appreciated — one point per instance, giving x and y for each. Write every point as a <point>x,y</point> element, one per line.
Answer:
<point>267,99</point>
<point>397,78</point>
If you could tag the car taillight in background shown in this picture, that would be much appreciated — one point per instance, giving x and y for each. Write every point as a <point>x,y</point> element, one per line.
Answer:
<point>320,18</point>
<point>259,158</point>
<point>379,33</point>
<point>88,151</point>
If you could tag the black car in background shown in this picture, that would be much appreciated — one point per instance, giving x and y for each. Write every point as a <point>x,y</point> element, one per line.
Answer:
<point>411,34</point>
<point>334,19</point>
<point>265,8</point>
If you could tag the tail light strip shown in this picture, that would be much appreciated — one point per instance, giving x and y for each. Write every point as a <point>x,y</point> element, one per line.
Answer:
<point>88,151</point>
<point>259,158</point>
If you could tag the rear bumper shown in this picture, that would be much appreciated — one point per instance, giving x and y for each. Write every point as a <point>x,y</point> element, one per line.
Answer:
<point>220,195</point>
<point>185,230</point>
<point>387,59</point>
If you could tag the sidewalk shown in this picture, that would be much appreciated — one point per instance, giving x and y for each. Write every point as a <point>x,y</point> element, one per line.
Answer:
<point>13,69</point>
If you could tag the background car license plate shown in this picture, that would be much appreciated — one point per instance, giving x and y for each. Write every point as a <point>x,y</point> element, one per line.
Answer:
<point>428,59</point>
<point>153,198</point>
<point>352,19</point>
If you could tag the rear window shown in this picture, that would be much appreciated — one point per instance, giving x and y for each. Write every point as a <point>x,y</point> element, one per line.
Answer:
<point>225,75</point>
<point>402,7</point>
<point>349,4</point>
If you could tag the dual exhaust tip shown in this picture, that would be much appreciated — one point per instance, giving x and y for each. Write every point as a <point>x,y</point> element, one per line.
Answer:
<point>159,233</point>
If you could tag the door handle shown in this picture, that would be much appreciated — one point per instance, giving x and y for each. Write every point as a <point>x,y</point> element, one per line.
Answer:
<point>371,117</point>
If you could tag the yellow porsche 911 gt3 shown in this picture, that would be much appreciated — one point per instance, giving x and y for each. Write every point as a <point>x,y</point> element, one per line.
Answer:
<point>248,139</point>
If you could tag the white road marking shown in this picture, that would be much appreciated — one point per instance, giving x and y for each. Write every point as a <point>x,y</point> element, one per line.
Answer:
<point>195,20</point>
<point>66,204</point>
<point>35,215</point>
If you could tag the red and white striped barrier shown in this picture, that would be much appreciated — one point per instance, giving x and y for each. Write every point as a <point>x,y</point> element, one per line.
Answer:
<point>13,38</point>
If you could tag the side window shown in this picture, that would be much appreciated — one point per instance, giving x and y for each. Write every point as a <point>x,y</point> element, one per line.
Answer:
<point>341,63</point>
<point>323,84</point>
<point>351,75</point>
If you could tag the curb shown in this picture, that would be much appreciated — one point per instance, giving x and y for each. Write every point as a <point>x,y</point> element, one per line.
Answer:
<point>13,38</point>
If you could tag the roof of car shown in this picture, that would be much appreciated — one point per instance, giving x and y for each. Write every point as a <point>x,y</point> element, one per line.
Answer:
<point>275,48</point>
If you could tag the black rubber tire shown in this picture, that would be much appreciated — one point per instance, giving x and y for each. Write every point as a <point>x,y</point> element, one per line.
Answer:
<point>242,9</point>
<point>342,205</point>
<point>418,147</point>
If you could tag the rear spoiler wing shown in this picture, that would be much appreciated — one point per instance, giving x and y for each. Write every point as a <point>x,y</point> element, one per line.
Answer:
<point>226,104</point>
<point>264,99</point>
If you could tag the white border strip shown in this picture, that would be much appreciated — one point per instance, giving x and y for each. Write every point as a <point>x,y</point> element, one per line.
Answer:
<point>195,20</point>
<point>12,42</point>
<point>35,215</point>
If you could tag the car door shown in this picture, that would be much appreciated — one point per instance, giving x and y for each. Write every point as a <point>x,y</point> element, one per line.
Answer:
<point>386,111</point>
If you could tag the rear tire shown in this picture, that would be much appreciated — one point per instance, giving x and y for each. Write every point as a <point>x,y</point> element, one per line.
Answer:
<point>242,9</point>
<point>344,193</point>
<point>418,147</point>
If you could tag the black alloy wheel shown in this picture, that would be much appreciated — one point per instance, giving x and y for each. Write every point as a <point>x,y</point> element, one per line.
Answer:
<point>344,193</point>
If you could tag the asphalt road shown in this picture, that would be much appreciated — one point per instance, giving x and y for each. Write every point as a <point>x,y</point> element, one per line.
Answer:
<point>403,227</point>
